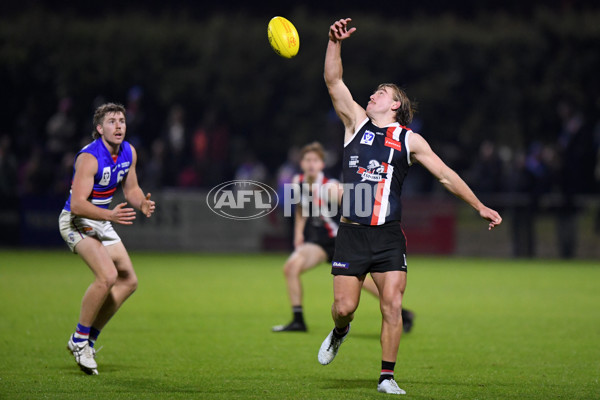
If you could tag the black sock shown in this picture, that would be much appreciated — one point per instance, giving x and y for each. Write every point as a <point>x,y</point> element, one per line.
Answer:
<point>387,370</point>
<point>340,333</point>
<point>298,314</point>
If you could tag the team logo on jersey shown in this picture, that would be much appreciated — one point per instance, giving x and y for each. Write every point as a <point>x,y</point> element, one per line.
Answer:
<point>105,177</point>
<point>367,138</point>
<point>372,172</point>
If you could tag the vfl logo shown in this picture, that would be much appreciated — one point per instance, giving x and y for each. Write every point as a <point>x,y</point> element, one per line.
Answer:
<point>337,264</point>
<point>372,172</point>
<point>367,138</point>
<point>105,177</point>
<point>242,200</point>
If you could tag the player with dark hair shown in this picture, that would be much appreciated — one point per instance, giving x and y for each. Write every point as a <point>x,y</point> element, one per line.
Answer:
<point>378,150</point>
<point>86,226</point>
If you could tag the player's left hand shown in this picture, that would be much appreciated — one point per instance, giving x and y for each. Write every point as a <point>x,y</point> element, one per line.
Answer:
<point>492,216</point>
<point>147,207</point>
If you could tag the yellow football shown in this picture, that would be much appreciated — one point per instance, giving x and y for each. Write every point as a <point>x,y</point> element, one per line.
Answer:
<point>283,37</point>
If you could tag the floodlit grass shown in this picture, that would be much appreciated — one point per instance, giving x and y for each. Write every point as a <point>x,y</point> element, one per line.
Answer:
<point>199,327</point>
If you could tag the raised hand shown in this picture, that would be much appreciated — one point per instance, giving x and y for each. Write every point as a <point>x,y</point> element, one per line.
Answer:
<point>339,30</point>
<point>147,207</point>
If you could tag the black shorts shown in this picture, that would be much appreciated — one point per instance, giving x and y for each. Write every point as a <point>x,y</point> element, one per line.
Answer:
<point>327,245</point>
<point>360,249</point>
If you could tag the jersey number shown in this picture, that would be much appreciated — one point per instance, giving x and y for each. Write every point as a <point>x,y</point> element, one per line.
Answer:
<point>121,174</point>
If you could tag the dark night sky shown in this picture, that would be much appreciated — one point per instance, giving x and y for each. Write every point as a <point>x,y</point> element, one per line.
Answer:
<point>198,9</point>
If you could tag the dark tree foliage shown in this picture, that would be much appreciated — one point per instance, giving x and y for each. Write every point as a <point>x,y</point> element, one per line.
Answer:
<point>477,71</point>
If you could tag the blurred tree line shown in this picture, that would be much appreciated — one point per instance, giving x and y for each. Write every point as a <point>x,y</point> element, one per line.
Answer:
<point>494,76</point>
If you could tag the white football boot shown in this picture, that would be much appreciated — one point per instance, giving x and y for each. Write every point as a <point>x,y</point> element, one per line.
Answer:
<point>389,386</point>
<point>330,347</point>
<point>84,356</point>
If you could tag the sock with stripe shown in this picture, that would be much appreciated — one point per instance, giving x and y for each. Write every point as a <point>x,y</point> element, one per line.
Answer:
<point>93,336</point>
<point>387,370</point>
<point>82,333</point>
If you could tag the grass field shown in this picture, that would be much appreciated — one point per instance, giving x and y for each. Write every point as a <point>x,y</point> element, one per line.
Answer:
<point>199,328</point>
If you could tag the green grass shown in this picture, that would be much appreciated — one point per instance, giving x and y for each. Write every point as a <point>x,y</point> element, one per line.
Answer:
<point>199,327</point>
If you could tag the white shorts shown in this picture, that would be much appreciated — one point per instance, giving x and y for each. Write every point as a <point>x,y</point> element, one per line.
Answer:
<point>73,229</point>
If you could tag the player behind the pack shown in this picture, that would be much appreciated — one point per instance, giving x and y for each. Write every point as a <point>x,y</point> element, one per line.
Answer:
<point>315,229</point>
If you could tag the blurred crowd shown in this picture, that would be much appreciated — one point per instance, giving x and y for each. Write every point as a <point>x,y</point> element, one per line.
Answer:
<point>173,153</point>
<point>542,176</point>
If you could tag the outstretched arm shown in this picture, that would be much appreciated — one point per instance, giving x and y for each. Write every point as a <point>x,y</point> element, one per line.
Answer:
<point>132,191</point>
<point>423,154</point>
<point>346,108</point>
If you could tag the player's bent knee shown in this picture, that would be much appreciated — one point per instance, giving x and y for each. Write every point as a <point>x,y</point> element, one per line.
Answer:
<point>344,308</point>
<point>132,284</point>
<point>128,280</point>
<point>292,267</point>
<point>107,281</point>
<point>288,269</point>
<point>394,306</point>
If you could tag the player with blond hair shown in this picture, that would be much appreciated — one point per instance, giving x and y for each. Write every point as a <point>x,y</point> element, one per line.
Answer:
<point>378,151</point>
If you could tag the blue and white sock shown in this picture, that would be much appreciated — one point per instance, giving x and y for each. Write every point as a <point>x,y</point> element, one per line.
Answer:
<point>82,333</point>
<point>93,336</point>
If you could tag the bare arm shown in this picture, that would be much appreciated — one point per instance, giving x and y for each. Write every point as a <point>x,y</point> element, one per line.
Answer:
<point>424,155</point>
<point>86,167</point>
<point>132,191</point>
<point>346,108</point>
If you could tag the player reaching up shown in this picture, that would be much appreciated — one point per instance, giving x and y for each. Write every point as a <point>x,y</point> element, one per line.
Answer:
<point>378,150</point>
